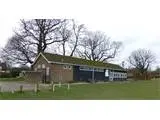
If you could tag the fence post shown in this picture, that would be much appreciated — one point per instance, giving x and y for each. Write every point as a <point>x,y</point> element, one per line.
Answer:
<point>68,86</point>
<point>59,84</point>
<point>12,91</point>
<point>21,88</point>
<point>53,87</point>
<point>36,88</point>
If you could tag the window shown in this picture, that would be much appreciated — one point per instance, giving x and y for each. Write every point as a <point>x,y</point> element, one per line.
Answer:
<point>43,66</point>
<point>64,67</point>
<point>118,75</point>
<point>47,71</point>
<point>35,69</point>
<point>111,74</point>
<point>39,66</point>
<point>83,68</point>
<point>115,74</point>
<point>125,75</point>
<point>67,67</point>
<point>99,70</point>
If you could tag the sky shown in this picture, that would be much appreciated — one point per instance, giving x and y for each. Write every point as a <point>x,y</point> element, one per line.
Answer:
<point>134,22</point>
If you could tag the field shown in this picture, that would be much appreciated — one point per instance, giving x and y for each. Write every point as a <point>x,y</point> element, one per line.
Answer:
<point>134,90</point>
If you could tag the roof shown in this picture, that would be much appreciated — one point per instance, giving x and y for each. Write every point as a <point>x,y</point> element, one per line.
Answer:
<point>73,60</point>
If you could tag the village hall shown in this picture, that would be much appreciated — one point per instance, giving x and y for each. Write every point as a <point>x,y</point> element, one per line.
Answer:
<point>48,68</point>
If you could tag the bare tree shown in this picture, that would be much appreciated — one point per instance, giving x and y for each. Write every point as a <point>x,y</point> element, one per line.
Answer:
<point>40,32</point>
<point>70,34</point>
<point>141,59</point>
<point>18,50</point>
<point>33,37</point>
<point>97,46</point>
<point>78,32</point>
<point>64,34</point>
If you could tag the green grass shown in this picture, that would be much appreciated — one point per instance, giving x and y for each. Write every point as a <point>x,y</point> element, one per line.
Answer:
<point>136,90</point>
<point>12,79</point>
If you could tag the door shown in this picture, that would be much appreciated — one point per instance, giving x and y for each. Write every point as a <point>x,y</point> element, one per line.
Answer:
<point>46,75</point>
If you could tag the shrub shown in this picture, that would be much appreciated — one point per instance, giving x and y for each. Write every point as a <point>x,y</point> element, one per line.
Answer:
<point>5,75</point>
<point>16,71</point>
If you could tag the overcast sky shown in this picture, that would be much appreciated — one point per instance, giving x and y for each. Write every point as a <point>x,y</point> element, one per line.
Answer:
<point>134,22</point>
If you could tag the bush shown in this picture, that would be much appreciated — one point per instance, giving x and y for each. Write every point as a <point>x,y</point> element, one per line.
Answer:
<point>5,75</point>
<point>16,71</point>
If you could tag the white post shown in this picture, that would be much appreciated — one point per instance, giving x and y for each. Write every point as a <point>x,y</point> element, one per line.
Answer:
<point>12,91</point>
<point>68,86</point>
<point>21,88</point>
<point>36,88</point>
<point>59,84</point>
<point>53,87</point>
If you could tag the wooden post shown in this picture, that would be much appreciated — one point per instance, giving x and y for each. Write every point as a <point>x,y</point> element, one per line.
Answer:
<point>21,88</point>
<point>53,87</point>
<point>59,84</point>
<point>12,91</point>
<point>36,88</point>
<point>68,86</point>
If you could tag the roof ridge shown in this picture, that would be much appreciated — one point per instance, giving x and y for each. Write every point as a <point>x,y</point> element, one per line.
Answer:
<point>76,60</point>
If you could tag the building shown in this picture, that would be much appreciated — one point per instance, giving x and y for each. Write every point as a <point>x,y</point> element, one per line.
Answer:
<point>57,68</point>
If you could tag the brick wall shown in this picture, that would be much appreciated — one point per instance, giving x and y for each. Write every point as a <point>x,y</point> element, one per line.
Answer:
<point>60,73</point>
<point>57,71</point>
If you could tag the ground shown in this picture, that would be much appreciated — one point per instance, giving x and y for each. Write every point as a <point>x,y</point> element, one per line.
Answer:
<point>15,86</point>
<point>12,79</point>
<point>136,90</point>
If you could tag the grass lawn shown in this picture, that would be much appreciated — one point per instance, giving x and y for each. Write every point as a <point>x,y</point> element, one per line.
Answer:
<point>135,90</point>
<point>12,79</point>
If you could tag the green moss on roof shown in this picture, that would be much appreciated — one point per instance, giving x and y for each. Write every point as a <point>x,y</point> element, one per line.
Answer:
<point>79,61</point>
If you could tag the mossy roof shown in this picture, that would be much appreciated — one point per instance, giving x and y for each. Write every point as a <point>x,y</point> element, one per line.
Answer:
<point>79,61</point>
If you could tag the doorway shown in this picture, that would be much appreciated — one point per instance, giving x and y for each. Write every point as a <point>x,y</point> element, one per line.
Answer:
<point>46,75</point>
